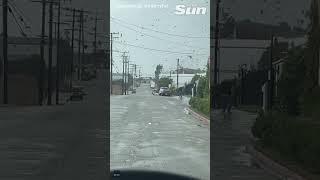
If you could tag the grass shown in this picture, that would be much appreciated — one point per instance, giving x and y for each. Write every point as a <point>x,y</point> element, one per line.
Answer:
<point>287,162</point>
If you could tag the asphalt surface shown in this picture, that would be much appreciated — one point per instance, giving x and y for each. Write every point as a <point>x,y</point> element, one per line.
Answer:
<point>65,142</point>
<point>150,132</point>
<point>230,135</point>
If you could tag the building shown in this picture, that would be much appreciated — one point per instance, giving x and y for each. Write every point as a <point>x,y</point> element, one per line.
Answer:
<point>24,68</point>
<point>183,79</point>
<point>236,52</point>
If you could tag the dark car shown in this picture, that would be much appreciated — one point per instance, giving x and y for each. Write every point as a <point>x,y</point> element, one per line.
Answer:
<point>77,93</point>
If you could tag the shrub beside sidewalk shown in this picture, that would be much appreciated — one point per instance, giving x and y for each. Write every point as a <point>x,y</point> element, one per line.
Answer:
<point>201,105</point>
<point>289,138</point>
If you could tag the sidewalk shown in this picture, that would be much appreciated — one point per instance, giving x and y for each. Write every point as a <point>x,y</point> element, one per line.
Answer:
<point>229,140</point>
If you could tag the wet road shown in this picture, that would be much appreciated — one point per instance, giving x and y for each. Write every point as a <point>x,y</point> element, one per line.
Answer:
<point>154,133</point>
<point>229,138</point>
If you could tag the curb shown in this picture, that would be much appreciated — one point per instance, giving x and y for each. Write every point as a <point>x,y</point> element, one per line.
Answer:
<point>271,166</point>
<point>199,116</point>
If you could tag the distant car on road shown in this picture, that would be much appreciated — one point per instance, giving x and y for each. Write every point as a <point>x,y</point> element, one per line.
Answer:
<point>164,91</point>
<point>77,93</point>
<point>134,91</point>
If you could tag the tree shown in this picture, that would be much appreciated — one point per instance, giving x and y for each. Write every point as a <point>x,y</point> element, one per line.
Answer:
<point>157,73</point>
<point>164,82</point>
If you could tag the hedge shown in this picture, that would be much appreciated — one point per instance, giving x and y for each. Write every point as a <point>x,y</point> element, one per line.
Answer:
<point>293,137</point>
<point>200,104</point>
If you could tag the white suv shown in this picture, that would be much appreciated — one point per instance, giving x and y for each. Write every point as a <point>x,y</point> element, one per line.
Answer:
<point>164,91</point>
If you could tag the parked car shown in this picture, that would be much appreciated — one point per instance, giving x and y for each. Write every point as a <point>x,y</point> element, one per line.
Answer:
<point>164,91</point>
<point>134,91</point>
<point>77,93</point>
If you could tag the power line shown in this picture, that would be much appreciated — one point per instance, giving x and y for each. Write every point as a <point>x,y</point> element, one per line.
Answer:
<point>20,14</point>
<point>169,34</point>
<point>159,50</point>
<point>154,36</point>
<point>15,19</point>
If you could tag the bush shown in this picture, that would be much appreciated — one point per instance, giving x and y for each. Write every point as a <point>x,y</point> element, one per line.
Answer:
<point>200,104</point>
<point>293,137</point>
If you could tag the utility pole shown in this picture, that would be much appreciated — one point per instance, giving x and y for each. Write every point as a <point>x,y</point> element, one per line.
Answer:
<point>5,50</point>
<point>79,45</point>
<point>270,74</point>
<point>95,39</point>
<point>42,63</point>
<point>125,76</point>
<point>135,74</point>
<point>72,46</point>
<point>58,64</point>
<point>111,57</point>
<point>318,4</point>
<point>123,72</point>
<point>128,71</point>
<point>123,57</point>
<point>50,54</point>
<point>216,43</point>
<point>83,45</point>
<point>177,73</point>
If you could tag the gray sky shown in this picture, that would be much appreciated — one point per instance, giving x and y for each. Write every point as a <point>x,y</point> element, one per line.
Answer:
<point>31,13</point>
<point>129,20</point>
<point>163,20</point>
<point>274,11</point>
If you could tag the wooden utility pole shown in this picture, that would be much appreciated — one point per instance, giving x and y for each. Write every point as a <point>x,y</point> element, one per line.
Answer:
<point>216,43</point>
<point>318,5</point>
<point>128,71</point>
<point>123,58</point>
<point>58,64</point>
<point>50,54</point>
<point>79,45</point>
<point>72,46</point>
<point>42,44</point>
<point>270,74</point>
<point>83,44</point>
<point>111,57</point>
<point>125,75</point>
<point>177,73</point>
<point>111,63</point>
<point>123,72</point>
<point>135,74</point>
<point>5,50</point>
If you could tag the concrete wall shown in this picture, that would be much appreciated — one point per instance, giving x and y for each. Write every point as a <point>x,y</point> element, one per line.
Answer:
<point>22,90</point>
<point>116,89</point>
